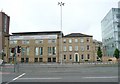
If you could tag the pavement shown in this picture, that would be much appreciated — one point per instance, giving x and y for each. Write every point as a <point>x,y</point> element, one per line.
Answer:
<point>60,73</point>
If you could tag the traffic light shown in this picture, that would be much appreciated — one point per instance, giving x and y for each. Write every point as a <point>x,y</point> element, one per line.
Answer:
<point>18,49</point>
<point>12,50</point>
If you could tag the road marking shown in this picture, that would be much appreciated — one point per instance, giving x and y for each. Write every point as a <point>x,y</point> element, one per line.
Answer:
<point>37,78</point>
<point>16,78</point>
<point>19,76</point>
<point>101,77</point>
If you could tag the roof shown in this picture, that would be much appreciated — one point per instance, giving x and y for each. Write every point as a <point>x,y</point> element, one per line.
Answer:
<point>77,35</point>
<point>37,33</point>
<point>4,13</point>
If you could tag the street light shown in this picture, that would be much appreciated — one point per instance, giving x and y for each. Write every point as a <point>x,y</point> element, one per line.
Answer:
<point>61,4</point>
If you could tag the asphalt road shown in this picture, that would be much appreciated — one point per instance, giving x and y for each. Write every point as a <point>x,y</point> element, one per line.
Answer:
<point>60,73</point>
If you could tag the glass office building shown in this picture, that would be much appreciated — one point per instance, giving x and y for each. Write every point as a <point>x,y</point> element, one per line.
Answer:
<point>111,31</point>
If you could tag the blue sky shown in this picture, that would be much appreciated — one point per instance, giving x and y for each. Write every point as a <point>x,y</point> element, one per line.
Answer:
<point>81,16</point>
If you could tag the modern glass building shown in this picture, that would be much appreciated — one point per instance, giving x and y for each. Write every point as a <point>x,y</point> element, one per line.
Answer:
<point>119,4</point>
<point>111,31</point>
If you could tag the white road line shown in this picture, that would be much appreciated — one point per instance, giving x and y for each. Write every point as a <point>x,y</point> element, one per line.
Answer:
<point>16,78</point>
<point>37,78</point>
<point>100,77</point>
<point>19,76</point>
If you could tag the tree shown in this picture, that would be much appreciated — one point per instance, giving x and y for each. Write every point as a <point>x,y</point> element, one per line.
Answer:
<point>99,53</point>
<point>116,53</point>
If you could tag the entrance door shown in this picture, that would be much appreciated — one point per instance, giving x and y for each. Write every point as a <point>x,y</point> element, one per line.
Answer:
<point>76,57</point>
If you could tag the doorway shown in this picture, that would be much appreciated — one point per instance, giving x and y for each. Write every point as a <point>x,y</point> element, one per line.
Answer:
<point>76,57</point>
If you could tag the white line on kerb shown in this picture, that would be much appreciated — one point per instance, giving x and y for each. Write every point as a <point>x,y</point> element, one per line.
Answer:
<point>37,78</point>
<point>101,77</point>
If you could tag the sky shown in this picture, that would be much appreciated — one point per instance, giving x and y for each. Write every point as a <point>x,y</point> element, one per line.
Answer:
<point>78,16</point>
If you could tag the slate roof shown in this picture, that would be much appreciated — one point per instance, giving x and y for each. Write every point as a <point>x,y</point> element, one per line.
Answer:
<point>77,35</point>
<point>38,33</point>
<point>52,33</point>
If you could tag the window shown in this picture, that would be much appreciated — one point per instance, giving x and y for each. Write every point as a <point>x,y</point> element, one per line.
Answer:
<point>49,41</point>
<point>82,56</point>
<point>25,42</point>
<point>53,40</point>
<point>13,42</point>
<point>49,59</point>
<point>76,40</point>
<point>64,41</point>
<point>88,47</point>
<point>70,40</point>
<point>70,48</point>
<point>5,24</point>
<point>70,57</point>
<point>41,50</point>
<point>23,51</point>
<point>36,51</point>
<point>88,40</point>
<point>76,48</point>
<point>28,50</point>
<point>54,50</point>
<point>49,50</point>
<point>88,56</point>
<point>38,41</point>
<point>64,57</point>
<point>27,60</point>
<point>22,60</point>
<point>82,48</point>
<point>36,59</point>
<point>10,60</point>
<point>10,52</point>
<point>64,48</point>
<point>82,40</point>
<point>54,59</point>
<point>40,60</point>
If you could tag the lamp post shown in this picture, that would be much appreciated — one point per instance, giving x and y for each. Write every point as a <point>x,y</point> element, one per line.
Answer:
<point>61,4</point>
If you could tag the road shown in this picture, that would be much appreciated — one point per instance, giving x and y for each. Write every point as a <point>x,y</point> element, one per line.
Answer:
<point>60,73</point>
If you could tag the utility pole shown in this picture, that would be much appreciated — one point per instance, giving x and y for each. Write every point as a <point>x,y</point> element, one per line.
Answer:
<point>61,4</point>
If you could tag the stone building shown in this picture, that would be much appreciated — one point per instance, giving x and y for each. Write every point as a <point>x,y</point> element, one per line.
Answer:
<point>4,33</point>
<point>45,47</point>
<point>77,47</point>
<point>48,46</point>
